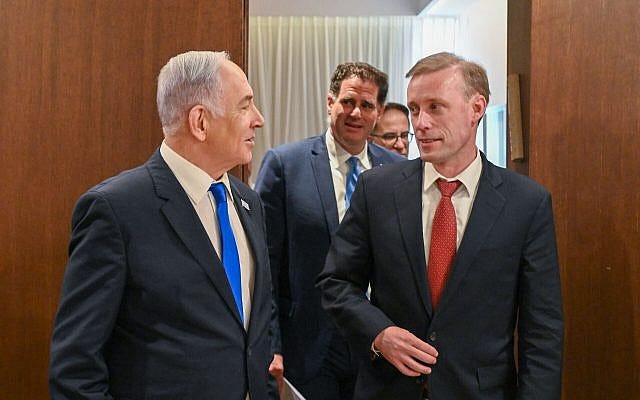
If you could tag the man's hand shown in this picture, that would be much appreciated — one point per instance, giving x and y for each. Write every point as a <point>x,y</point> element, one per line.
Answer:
<point>276,369</point>
<point>405,351</point>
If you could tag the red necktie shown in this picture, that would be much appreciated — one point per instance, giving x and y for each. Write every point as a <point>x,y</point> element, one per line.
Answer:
<point>442,249</point>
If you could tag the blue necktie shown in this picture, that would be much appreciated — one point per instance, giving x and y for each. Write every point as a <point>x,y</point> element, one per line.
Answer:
<point>352,178</point>
<point>230,258</point>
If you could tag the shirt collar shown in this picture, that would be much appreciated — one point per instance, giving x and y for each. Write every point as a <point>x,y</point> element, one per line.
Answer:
<point>469,177</point>
<point>341,155</point>
<point>193,180</point>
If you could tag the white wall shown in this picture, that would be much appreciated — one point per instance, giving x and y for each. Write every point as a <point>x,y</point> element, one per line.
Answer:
<point>447,7</point>
<point>483,39</point>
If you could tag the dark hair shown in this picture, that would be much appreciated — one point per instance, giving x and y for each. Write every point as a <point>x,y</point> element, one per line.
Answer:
<point>394,106</point>
<point>397,106</point>
<point>474,76</point>
<point>363,71</point>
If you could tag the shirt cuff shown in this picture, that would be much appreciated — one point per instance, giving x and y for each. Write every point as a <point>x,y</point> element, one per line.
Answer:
<point>374,352</point>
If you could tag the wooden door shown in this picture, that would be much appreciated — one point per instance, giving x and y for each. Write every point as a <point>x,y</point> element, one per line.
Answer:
<point>77,104</point>
<point>580,60</point>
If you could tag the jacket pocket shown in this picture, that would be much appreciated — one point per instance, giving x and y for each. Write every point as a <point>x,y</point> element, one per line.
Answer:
<point>494,376</point>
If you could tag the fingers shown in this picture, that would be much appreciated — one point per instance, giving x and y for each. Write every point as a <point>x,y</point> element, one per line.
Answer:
<point>410,355</point>
<point>276,369</point>
<point>410,367</point>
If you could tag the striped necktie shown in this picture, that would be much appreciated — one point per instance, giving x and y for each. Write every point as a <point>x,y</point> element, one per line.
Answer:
<point>352,178</point>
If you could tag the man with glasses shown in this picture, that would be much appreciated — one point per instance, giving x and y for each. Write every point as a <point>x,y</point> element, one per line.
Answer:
<point>392,129</point>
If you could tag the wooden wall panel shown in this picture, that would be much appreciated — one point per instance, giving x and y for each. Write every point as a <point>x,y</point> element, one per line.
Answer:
<point>77,104</point>
<point>584,145</point>
<point>519,62</point>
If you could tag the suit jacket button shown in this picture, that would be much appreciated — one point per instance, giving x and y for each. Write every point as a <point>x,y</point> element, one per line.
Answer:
<point>432,336</point>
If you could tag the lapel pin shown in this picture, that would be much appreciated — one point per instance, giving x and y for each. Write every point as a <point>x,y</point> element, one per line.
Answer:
<point>245,205</point>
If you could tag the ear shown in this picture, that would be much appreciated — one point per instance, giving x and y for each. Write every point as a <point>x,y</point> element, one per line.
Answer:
<point>198,122</point>
<point>330,102</point>
<point>479,106</point>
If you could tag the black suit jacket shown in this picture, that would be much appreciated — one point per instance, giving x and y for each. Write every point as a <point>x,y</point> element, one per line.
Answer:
<point>146,311</point>
<point>505,271</point>
<point>301,213</point>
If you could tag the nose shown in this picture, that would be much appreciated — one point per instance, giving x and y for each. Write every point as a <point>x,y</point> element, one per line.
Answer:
<point>401,147</point>
<point>422,121</point>
<point>259,120</point>
<point>399,144</point>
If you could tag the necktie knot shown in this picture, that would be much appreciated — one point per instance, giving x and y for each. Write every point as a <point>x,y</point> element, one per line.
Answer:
<point>219,193</point>
<point>353,164</point>
<point>447,189</point>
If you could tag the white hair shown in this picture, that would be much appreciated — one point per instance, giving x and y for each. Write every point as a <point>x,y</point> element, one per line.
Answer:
<point>186,80</point>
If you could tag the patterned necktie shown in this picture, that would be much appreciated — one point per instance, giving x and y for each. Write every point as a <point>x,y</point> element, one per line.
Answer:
<point>352,178</point>
<point>442,249</point>
<point>230,258</point>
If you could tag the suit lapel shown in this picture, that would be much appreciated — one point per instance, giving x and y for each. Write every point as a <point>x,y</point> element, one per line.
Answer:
<point>184,220</point>
<point>324,182</point>
<point>408,203</point>
<point>375,155</point>
<point>486,209</point>
<point>257,246</point>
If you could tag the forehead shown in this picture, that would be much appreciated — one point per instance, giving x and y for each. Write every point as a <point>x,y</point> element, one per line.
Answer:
<point>354,86</point>
<point>435,84</point>
<point>392,114</point>
<point>393,118</point>
<point>234,82</point>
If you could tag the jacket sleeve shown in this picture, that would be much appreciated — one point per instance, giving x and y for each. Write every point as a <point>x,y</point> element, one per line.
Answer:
<point>92,289</point>
<point>270,185</point>
<point>540,326</point>
<point>346,275</point>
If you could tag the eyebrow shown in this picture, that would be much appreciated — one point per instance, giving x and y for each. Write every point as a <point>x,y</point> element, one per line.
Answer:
<point>247,98</point>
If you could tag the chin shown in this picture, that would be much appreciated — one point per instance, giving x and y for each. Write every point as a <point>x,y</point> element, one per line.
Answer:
<point>247,159</point>
<point>428,157</point>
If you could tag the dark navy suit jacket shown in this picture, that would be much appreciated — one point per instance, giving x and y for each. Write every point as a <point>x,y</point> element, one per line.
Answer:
<point>146,311</point>
<point>505,270</point>
<point>301,213</point>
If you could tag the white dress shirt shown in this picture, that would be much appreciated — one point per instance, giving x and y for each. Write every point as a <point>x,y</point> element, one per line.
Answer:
<point>462,199</point>
<point>196,183</point>
<point>339,168</point>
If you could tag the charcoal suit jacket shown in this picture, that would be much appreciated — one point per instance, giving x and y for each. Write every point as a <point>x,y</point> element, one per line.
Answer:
<point>505,272</point>
<point>296,187</point>
<point>146,311</point>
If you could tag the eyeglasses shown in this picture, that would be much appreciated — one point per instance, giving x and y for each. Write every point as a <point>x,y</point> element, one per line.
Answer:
<point>391,138</point>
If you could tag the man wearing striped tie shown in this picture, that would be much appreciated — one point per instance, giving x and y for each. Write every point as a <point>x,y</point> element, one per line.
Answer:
<point>306,187</point>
